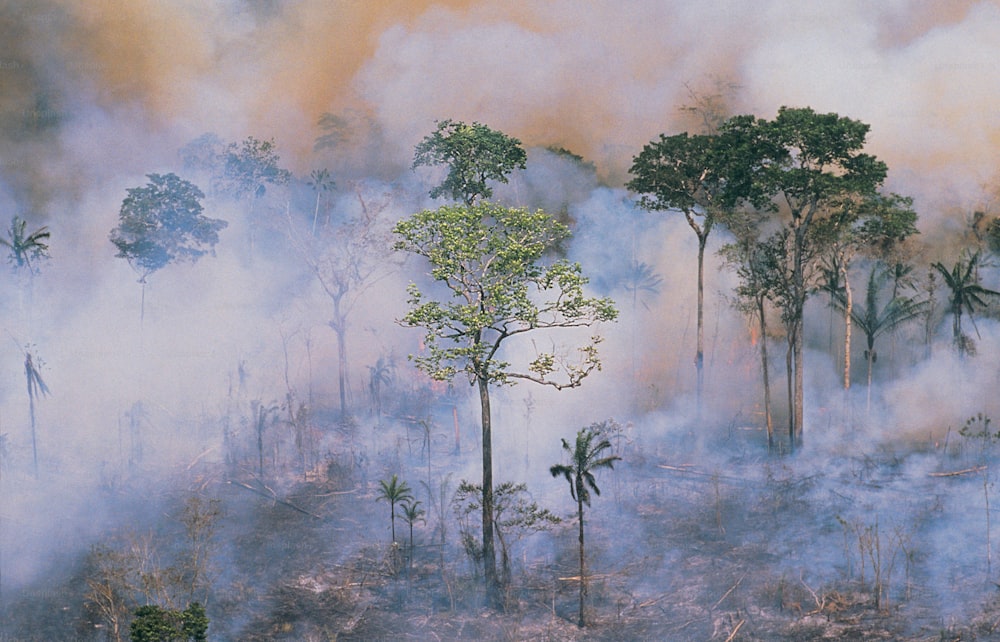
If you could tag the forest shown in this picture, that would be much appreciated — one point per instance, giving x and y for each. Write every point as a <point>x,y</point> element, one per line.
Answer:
<point>281,367</point>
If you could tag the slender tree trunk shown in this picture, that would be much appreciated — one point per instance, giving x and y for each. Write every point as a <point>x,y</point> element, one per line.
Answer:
<point>799,387</point>
<point>699,358</point>
<point>489,551</point>
<point>848,307</point>
<point>583,561</point>
<point>342,367</point>
<point>765,373</point>
<point>790,375</point>
<point>34,442</point>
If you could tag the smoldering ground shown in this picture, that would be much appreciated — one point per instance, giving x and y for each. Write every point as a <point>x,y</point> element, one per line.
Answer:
<point>96,95</point>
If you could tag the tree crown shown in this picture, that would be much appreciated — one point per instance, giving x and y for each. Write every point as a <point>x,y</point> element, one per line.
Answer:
<point>474,154</point>
<point>490,258</point>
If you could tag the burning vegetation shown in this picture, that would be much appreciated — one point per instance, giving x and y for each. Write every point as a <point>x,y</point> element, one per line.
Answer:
<point>379,334</point>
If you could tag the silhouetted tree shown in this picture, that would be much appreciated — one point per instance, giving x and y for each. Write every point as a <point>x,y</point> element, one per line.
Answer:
<point>36,389</point>
<point>24,247</point>
<point>585,457</point>
<point>966,295</point>
<point>162,222</point>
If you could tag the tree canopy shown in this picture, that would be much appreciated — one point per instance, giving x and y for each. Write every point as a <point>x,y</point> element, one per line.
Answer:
<point>162,222</point>
<point>474,154</point>
<point>490,258</point>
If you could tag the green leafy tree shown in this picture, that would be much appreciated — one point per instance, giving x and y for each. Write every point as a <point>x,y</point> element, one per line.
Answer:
<point>474,154</point>
<point>25,247</point>
<point>586,456</point>
<point>685,174</point>
<point>490,261</point>
<point>515,515</point>
<point>394,492</point>
<point>153,623</point>
<point>967,294</point>
<point>810,164</point>
<point>161,223</point>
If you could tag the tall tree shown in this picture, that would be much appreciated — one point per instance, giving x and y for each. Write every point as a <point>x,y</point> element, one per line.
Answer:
<point>873,225</point>
<point>161,223</point>
<point>700,176</point>
<point>967,294</point>
<point>586,456</point>
<point>498,287</point>
<point>474,154</point>
<point>811,164</point>
<point>348,258</point>
<point>758,264</point>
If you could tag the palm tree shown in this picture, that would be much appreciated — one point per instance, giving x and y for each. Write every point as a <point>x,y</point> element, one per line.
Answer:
<point>24,247</point>
<point>412,513</point>
<point>585,457</point>
<point>320,181</point>
<point>966,295</point>
<point>394,492</point>
<point>875,321</point>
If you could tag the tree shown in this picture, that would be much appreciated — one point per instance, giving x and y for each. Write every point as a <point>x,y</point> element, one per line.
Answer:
<point>412,513</point>
<point>490,261</point>
<point>810,164</point>
<point>966,295</point>
<point>36,389</point>
<point>394,492</point>
<point>758,265</point>
<point>875,321</point>
<point>474,154</point>
<point>161,223</point>
<point>321,181</point>
<point>154,623</point>
<point>585,457</point>
<point>247,169</point>
<point>701,176</point>
<point>348,259</point>
<point>24,247</point>
<point>515,515</point>
<point>872,225</point>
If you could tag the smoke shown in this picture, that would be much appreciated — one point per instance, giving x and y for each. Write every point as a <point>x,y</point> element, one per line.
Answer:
<point>95,95</point>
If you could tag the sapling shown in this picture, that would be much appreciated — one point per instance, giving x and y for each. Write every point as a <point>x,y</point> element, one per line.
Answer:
<point>394,492</point>
<point>978,427</point>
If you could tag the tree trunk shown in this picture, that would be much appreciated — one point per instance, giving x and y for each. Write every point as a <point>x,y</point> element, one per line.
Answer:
<point>489,551</point>
<point>790,376</point>
<point>848,307</point>
<point>799,387</point>
<point>765,373</point>
<point>583,563</point>
<point>342,367</point>
<point>699,358</point>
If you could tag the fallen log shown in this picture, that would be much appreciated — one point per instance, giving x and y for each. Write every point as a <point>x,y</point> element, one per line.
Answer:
<point>956,473</point>
<point>275,498</point>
